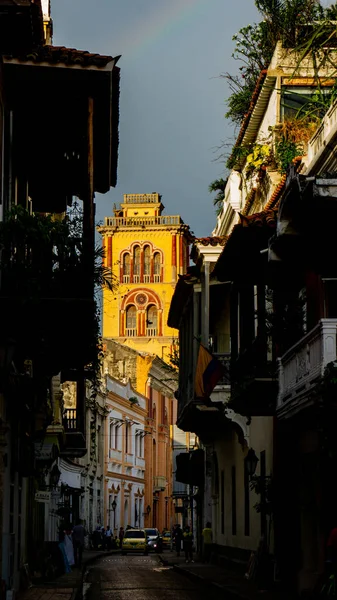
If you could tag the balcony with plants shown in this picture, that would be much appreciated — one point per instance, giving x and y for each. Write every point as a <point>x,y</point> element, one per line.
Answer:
<point>285,87</point>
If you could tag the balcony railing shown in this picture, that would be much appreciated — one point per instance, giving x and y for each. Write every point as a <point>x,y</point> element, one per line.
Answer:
<point>70,419</point>
<point>140,462</point>
<point>131,332</point>
<point>327,127</point>
<point>156,278</point>
<point>303,365</point>
<point>143,221</point>
<point>126,278</point>
<point>141,198</point>
<point>115,454</point>
<point>159,483</point>
<point>151,332</point>
<point>136,279</point>
<point>225,359</point>
<point>147,278</point>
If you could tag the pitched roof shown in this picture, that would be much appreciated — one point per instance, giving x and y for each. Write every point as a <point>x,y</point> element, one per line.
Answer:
<point>62,55</point>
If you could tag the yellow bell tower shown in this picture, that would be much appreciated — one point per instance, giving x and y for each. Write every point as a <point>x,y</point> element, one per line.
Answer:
<point>146,251</point>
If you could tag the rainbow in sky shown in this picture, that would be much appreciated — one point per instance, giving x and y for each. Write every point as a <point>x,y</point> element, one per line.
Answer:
<point>167,16</point>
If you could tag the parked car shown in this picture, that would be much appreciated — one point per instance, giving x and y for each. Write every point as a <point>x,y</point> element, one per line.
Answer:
<point>154,539</point>
<point>135,540</point>
<point>167,540</point>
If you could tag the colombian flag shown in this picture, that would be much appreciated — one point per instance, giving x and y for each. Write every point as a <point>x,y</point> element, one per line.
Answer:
<point>209,371</point>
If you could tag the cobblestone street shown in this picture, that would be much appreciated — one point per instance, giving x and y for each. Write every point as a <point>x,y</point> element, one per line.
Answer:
<point>123,577</point>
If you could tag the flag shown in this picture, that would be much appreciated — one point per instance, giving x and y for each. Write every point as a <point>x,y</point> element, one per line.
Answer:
<point>209,371</point>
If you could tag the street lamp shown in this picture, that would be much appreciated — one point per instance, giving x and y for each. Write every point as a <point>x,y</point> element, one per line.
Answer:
<point>114,506</point>
<point>55,475</point>
<point>251,462</point>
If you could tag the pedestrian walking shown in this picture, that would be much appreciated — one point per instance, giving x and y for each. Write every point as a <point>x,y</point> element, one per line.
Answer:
<point>108,538</point>
<point>78,543</point>
<point>188,544</point>
<point>121,536</point>
<point>178,536</point>
<point>207,540</point>
<point>69,547</point>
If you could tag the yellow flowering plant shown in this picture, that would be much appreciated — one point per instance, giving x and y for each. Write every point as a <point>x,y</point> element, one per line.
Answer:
<point>259,157</point>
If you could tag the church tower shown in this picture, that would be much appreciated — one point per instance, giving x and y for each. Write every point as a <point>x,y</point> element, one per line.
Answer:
<point>146,251</point>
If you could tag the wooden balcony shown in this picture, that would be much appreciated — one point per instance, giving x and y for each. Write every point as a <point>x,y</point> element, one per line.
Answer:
<point>254,382</point>
<point>302,367</point>
<point>75,444</point>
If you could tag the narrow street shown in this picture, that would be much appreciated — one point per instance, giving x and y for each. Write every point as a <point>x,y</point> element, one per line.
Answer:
<point>122,577</point>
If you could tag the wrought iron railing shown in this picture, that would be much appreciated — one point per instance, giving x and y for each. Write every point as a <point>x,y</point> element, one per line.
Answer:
<point>225,359</point>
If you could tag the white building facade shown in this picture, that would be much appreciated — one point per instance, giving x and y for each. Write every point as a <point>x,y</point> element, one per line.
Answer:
<point>124,481</point>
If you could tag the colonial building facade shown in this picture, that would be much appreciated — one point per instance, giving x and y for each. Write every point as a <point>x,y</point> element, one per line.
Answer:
<point>125,456</point>
<point>155,382</point>
<point>267,305</point>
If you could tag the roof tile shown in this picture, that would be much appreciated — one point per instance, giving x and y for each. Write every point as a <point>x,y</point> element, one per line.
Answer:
<point>63,55</point>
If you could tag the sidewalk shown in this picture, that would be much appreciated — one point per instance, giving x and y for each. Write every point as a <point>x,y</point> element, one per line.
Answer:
<point>230,581</point>
<point>66,587</point>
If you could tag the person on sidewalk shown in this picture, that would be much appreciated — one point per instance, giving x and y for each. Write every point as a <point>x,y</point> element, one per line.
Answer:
<point>108,538</point>
<point>78,542</point>
<point>121,536</point>
<point>69,547</point>
<point>177,536</point>
<point>207,540</point>
<point>188,544</point>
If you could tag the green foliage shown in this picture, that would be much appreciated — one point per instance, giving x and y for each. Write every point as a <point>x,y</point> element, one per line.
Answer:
<point>285,20</point>
<point>219,186</point>
<point>238,153</point>
<point>285,152</point>
<point>263,486</point>
<point>174,355</point>
<point>42,258</point>
<point>134,401</point>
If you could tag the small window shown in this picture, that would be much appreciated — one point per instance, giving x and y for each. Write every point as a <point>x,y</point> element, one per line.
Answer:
<point>131,320</point>
<point>136,260</point>
<point>151,321</point>
<point>295,101</point>
<point>156,263</point>
<point>126,264</point>
<point>147,260</point>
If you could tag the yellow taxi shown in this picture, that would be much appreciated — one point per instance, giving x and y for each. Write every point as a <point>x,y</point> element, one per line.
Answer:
<point>167,540</point>
<point>134,540</point>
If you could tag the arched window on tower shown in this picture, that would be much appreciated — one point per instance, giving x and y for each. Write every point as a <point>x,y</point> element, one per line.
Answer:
<point>151,321</point>
<point>126,267</point>
<point>156,267</point>
<point>131,321</point>
<point>136,264</point>
<point>147,264</point>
